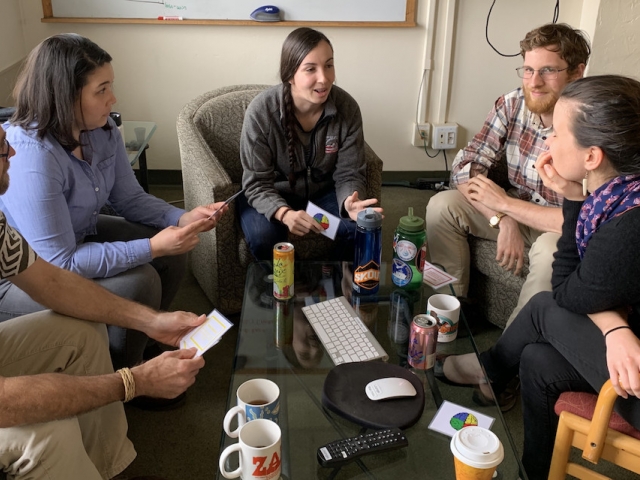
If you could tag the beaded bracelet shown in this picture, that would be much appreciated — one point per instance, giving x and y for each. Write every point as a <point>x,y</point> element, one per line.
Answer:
<point>287,210</point>
<point>616,328</point>
<point>129,384</point>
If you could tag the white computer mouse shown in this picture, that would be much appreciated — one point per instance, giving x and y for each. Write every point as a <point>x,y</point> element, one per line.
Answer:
<point>391,387</point>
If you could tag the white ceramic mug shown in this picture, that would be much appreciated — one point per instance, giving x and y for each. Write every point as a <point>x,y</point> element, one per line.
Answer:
<point>257,398</point>
<point>446,310</point>
<point>258,450</point>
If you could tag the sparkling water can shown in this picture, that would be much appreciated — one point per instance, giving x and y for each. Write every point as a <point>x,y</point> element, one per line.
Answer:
<point>422,342</point>
<point>283,254</point>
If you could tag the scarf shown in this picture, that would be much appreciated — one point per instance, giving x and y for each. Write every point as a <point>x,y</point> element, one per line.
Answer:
<point>604,204</point>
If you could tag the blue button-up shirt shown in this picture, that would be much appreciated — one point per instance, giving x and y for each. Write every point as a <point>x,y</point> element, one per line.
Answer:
<point>54,200</point>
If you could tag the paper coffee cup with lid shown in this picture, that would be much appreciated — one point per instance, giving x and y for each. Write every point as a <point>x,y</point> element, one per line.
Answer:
<point>476,453</point>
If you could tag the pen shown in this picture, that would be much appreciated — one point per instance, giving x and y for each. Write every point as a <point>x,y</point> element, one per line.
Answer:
<point>161,17</point>
<point>227,202</point>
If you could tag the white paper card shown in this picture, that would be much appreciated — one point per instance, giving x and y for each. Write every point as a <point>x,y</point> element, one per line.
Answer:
<point>436,278</point>
<point>452,417</point>
<point>327,221</point>
<point>208,334</point>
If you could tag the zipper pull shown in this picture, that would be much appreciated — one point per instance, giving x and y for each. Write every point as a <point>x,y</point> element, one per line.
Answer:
<point>309,173</point>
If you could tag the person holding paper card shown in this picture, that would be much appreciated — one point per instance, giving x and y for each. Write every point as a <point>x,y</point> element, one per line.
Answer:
<point>302,141</point>
<point>588,329</point>
<point>61,413</point>
<point>70,163</point>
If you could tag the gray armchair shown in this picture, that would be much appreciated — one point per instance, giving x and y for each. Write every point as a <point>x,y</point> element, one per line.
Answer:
<point>496,289</point>
<point>209,130</point>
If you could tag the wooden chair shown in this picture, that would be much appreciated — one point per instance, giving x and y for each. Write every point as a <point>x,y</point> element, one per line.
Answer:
<point>588,422</point>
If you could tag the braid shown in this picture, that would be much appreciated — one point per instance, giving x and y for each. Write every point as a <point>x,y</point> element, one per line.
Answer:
<point>289,118</point>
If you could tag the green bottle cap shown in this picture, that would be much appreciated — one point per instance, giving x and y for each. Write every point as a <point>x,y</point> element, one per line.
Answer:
<point>411,223</point>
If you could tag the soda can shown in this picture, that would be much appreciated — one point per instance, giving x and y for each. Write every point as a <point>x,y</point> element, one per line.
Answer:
<point>422,342</point>
<point>283,325</point>
<point>283,271</point>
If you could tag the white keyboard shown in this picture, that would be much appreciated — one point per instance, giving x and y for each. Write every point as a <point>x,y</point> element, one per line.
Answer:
<point>345,338</point>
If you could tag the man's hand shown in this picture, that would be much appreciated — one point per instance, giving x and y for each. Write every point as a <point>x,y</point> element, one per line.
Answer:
<point>548,174</point>
<point>167,375</point>
<point>202,212</point>
<point>178,240</point>
<point>510,250</point>
<point>352,205</point>
<point>488,193</point>
<point>300,222</point>
<point>170,327</point>
<point>623,362</point>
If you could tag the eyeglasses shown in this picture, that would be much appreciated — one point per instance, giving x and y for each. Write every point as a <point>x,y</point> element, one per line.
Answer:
<point>8,149</point>
<point>547,73</point>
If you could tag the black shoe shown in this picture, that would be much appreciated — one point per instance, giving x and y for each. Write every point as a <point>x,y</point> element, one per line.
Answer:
<point>506,400</point>
<point>158,404</point>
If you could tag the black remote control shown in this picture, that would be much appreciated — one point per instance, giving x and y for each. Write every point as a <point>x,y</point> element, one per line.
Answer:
<point>341,452</point>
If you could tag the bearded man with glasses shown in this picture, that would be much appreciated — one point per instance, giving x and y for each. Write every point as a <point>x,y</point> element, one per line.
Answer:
<point>513,133</point>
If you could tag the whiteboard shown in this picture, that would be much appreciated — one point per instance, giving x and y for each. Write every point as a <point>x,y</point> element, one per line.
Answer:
<point>292,10</point>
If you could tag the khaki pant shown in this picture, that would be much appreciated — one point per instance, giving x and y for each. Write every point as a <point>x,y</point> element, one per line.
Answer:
<point>90,446</point>
<point>451,218</point>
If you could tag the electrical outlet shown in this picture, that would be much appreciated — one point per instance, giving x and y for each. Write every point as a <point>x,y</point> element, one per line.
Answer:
<point>420,134</point>
<point>444,136</point>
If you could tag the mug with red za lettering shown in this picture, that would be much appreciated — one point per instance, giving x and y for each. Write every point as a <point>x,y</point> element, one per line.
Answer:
<point>258,450</point>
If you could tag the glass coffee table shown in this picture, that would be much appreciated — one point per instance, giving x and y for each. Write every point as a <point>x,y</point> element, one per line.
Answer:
<point>275,341</point>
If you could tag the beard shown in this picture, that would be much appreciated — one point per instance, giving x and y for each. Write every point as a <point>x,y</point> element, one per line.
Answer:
<point>4,182</point>
<point>540,106</point>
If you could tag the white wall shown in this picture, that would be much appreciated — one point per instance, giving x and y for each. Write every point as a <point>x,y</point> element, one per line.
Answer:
<point>160,68</point>
<point>616,46</point>
<point>11,36</point>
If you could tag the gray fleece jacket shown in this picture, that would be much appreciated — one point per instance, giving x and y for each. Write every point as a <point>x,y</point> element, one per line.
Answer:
<point>335,158</point>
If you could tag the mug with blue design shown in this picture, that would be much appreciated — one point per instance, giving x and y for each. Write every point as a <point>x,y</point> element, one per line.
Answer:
<point>257,398</point>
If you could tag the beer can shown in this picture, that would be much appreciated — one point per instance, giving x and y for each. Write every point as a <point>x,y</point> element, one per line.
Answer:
<point>283,271</point>
<point>422,342</point>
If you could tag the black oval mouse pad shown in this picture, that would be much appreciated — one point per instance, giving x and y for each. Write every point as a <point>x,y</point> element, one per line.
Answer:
<point>344,394</point>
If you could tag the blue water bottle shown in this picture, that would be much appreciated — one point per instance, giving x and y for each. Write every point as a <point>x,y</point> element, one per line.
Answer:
<point>366,264</point>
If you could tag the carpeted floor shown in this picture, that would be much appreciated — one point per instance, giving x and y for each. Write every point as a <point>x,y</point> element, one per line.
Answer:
<point>183,444</point>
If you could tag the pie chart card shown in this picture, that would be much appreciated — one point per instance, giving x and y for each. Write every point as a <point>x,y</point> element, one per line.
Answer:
<point>327,221</point>
<point>451,417</point>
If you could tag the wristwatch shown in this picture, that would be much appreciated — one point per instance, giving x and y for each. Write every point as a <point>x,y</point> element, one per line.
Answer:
<point>494,221</point>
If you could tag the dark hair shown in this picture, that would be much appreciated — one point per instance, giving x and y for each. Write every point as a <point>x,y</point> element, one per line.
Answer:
<point>295,48</point>
<point>50,83</point>
<point>606,114</point>
<point>572,45</point>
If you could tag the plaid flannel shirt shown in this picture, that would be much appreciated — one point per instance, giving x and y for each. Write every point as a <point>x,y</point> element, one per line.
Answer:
<point>512,133</point>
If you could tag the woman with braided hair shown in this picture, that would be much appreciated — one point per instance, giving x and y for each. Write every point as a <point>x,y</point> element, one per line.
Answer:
<point>302,141</point>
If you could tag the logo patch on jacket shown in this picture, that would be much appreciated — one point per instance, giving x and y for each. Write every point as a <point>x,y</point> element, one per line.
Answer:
<point>332,144</point>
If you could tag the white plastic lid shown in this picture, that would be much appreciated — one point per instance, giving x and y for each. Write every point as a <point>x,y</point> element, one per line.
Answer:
<point>477,447</point>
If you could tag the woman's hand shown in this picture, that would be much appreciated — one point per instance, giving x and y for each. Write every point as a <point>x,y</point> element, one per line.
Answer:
<point>204,211</point>
<point>300,222</point>
<point>623,362</point>
<point>548,174</point>
<point>353,205</point>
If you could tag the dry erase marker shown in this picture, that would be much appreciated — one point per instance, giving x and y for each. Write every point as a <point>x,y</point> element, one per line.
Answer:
<point>161,17</point>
